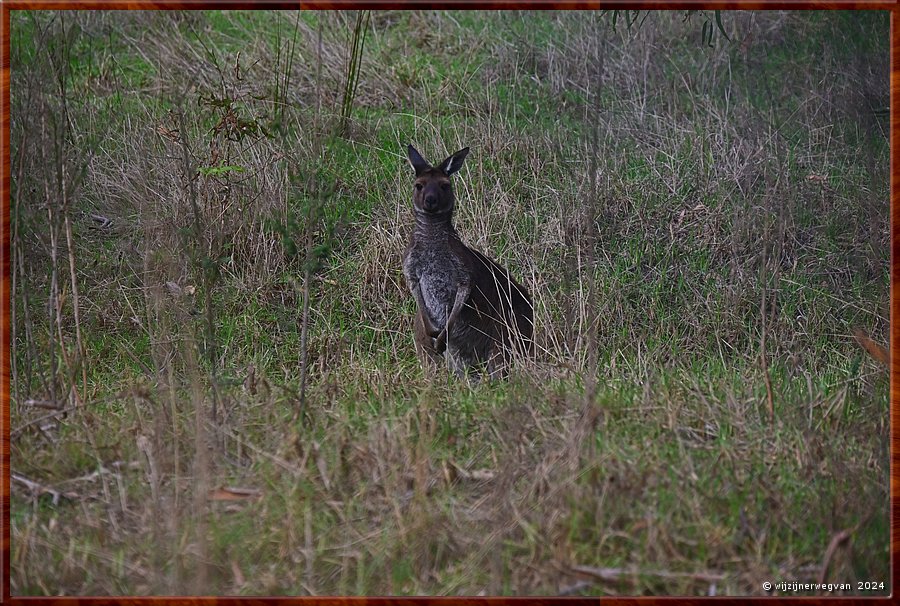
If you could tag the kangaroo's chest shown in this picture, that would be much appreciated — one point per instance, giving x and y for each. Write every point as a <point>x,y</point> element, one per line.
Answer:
<point>439,276</point>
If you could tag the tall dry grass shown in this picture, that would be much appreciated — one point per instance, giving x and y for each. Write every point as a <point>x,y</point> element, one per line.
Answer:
<point>215,388</point>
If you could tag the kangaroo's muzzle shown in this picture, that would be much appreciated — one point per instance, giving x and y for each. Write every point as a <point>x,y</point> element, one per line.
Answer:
<point>430,203</point>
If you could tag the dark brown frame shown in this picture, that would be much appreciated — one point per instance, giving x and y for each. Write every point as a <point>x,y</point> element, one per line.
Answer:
<point>7,5</point>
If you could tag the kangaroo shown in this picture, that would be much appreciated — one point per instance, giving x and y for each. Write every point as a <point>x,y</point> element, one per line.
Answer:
<point>471,314</point>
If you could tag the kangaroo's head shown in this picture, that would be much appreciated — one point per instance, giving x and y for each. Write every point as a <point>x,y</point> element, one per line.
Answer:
<point>433,192</point>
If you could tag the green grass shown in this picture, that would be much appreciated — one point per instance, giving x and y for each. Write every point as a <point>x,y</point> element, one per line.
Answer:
<point>392,480</point>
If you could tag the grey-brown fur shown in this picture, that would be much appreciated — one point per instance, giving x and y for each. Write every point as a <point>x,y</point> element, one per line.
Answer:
<point>471,313</point>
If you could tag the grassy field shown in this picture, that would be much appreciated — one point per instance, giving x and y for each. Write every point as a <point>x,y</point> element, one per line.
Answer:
<point>214,385</point>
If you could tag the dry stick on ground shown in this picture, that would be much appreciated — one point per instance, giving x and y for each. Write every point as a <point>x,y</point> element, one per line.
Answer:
<point>837,540</point>
<point>57,412</point>
<point>617,575</point>
<point>118,466</point>
<point>41,404</point>
<point>574,588</point>
<point>878,351</point>
<point>39,489</point>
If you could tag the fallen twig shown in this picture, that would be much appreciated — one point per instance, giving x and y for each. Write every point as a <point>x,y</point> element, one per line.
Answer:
<point>836,541</point>
<point>37,421</point>
<point>615,575</point>
<point>875,349</point>
<point>574,588</point>
<point>50,405</point>
<point>232,493</point>
<point>118,465</point>
<point>479,475</point>
<point>39,489</point>
<point>101,221</point>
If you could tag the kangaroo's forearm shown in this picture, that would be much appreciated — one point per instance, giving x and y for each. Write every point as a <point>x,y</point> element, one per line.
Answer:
<point>462,294</point>
<point>430,329</point>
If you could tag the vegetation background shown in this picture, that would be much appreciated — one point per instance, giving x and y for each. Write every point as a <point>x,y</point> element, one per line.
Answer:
<point>214,386</point>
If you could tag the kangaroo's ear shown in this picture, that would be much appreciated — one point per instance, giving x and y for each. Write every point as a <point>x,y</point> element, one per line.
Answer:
<point>418,162</point>
<point>454,163</point>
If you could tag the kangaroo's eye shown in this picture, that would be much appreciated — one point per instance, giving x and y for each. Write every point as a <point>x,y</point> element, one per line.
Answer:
<point>445,186</point>
<point>419,187</point>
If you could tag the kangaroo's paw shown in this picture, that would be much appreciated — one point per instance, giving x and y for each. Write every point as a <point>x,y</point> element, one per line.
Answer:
<point>440,342</point>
